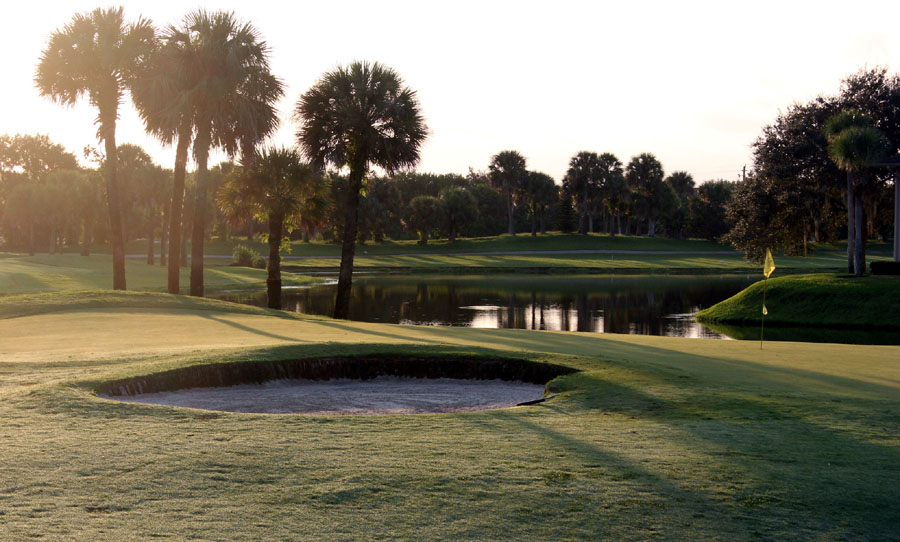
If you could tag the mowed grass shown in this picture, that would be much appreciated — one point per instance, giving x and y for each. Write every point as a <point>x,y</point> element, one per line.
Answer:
<point>499,243</point>
<point>655,438</point>
<point>20,274</point>
<point>635,263</point>
<point>474,254</point>
<point>827,299</point>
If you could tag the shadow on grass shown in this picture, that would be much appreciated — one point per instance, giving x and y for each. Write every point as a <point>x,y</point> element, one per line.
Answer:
<point>663,360</point>
<point>808,334</point>
<point>355,329</point>
<point>248,329</point>
<point>778,464</point>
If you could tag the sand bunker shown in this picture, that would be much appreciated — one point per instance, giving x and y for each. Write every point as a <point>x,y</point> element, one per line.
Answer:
<point>382,395</point>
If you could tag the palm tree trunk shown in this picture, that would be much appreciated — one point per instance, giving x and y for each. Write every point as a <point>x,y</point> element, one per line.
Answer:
<point>198,233</point>
<point>113,198</point>
<point>348,247</point>
<point>51,248</point>
<point>273,282</point>
<point>510,212</point>
<point>183,255</point>
<point>533,222</point>
<point>452,232</point>
<point>163,240</point>
<point>851,223</point>
<point>582,227</point>
<point>86,237</point>
<point>805,239</point>
<point>150,240</point>
<point>175,210</point>
<point>859,263</point>
<point>31,237</point>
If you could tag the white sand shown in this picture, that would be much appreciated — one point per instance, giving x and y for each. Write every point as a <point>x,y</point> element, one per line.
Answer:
<point>383,395</point>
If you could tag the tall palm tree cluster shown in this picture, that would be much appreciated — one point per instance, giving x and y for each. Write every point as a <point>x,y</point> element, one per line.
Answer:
<point>205,83</point>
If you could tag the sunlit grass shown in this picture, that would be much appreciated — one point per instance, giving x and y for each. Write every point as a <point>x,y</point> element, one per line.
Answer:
<point>655,438</point>
<point>42,272</point>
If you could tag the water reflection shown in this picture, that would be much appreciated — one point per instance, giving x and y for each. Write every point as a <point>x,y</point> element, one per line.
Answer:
<point>646,305</point>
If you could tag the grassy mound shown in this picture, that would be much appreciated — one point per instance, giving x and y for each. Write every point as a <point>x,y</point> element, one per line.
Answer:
<point>814,300</point>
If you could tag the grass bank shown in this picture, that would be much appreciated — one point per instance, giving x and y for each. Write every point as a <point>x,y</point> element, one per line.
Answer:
<point>654,437</point>
<point>21,274</point>
<point>814,300</point>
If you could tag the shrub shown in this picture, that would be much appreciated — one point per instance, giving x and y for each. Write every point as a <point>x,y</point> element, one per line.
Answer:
<point>244,256</point>
<point>259,262</point>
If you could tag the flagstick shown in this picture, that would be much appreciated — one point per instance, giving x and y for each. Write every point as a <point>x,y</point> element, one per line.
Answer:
<point>763,326</point>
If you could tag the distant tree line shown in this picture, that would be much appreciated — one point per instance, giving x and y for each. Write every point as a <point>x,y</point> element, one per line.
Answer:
<point>48,201</point>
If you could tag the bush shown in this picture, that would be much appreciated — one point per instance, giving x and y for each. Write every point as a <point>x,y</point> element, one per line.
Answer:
<point>259,262</point>
<point>245,256</point>
<point>885,268</point>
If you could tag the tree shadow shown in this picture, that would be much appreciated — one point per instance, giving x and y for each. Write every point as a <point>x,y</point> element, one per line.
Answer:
<point>788,464</point>
<point>249,329</point>
<point>757,374</point>
<point>355,328</point>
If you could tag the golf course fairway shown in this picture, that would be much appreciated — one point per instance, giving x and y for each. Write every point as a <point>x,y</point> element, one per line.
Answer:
<point>652,438</point>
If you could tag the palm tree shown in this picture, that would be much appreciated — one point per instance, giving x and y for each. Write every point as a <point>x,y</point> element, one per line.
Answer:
<point>210,81</point>
<point>581,183</point>
<point>355,117</point>
<point>423,215</point>
<point>87,198</point>
<point>164,99</point>
<point>644,175</point>
<point>855,146</point>
<point>507,172</point>
<point>98,55</point>
<point>279,187</point>
<point>540,192</point>
<point>460,208</point>
<point>611,187</point>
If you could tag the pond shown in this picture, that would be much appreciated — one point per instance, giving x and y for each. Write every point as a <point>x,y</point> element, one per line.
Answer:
<point>636,304</point>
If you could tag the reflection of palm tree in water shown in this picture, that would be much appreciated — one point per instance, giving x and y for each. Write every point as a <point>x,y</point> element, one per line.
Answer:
<point>584,317</point>
<point>543,324</point>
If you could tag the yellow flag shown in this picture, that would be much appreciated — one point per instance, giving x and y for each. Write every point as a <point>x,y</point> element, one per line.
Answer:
<point>770,264</point>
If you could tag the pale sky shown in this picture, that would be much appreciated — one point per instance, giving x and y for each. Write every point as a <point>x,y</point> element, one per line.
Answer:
<point>691,82</point>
